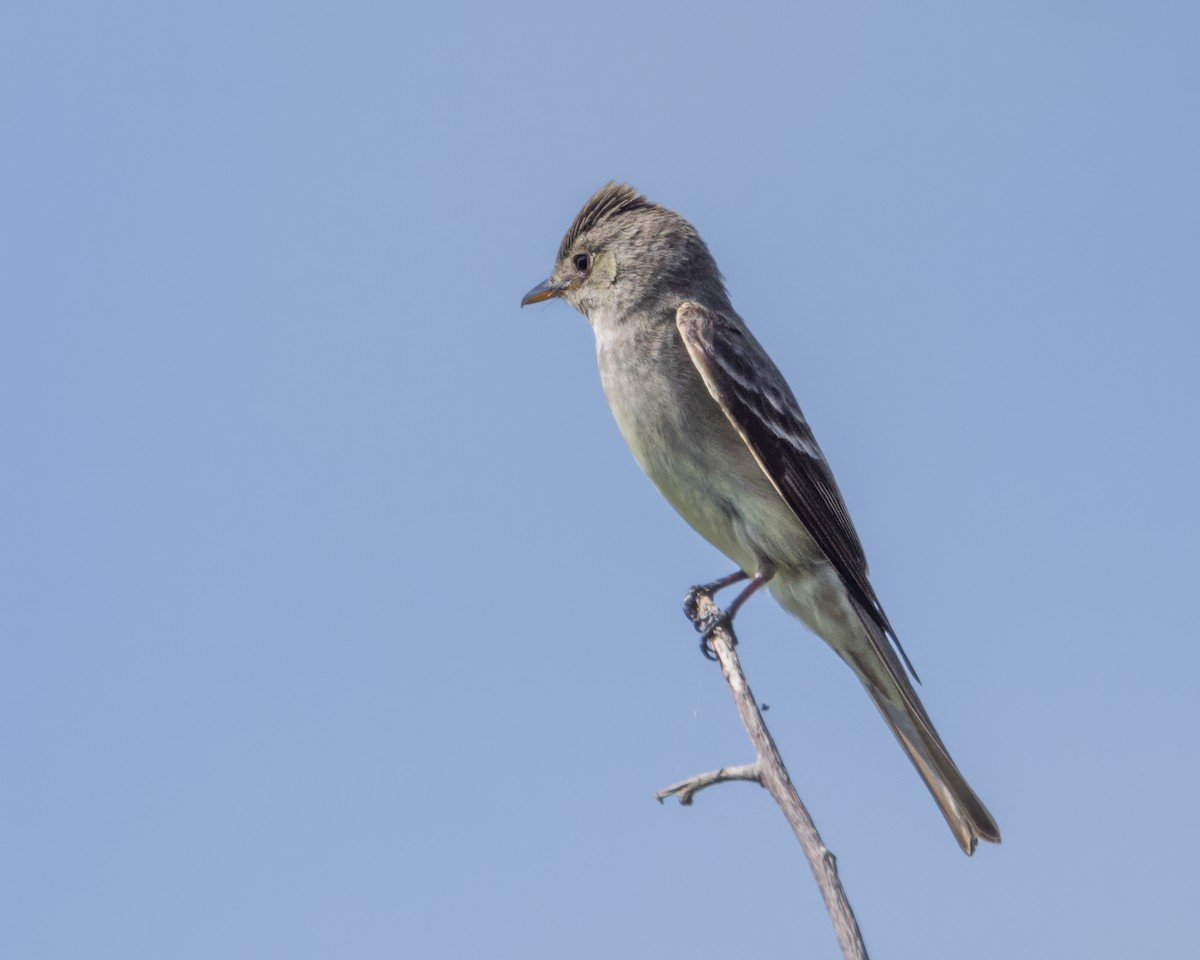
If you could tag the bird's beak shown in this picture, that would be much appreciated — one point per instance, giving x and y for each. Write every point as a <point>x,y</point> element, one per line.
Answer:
<point>545,290</point>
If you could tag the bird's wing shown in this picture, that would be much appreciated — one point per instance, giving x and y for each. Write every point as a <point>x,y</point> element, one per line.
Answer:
<point>758,402</point>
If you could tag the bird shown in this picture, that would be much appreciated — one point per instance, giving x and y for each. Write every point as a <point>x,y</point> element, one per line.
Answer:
<point>711,420</point>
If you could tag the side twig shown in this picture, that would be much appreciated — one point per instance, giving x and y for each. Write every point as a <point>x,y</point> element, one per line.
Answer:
<point>769,771</point>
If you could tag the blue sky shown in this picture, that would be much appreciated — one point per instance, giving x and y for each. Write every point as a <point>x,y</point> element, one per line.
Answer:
<point>336,618</point>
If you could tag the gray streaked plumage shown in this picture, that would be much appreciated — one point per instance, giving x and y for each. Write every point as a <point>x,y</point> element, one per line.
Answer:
<point>603,204</point>
<point>714,424</point>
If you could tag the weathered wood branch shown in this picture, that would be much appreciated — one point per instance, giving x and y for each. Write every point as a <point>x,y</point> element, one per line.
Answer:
<point>769,771</point>
<point>687,789</point>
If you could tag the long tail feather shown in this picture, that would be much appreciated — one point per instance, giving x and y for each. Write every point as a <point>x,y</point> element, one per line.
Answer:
<point>968,818</point>
<point>859,640</point>
<point>882,674</point>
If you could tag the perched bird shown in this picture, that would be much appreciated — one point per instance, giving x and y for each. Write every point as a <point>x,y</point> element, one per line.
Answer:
<point>714,424</point>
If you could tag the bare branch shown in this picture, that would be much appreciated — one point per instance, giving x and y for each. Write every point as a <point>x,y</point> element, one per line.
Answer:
<point>769,771</point>
<point>687,789</point>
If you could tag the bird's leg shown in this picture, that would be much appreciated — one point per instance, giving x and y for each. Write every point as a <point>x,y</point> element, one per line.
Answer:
<point>692,600</point>
<point>757,582</point>
<point>725,617</point>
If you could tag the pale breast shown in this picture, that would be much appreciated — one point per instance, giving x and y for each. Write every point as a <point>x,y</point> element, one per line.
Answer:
<point>687,446</point>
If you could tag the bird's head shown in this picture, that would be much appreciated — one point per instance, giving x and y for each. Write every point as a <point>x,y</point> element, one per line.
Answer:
<point>625,253</point>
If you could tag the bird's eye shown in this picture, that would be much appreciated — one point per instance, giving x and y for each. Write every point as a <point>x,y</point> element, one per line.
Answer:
<point>581,261</point>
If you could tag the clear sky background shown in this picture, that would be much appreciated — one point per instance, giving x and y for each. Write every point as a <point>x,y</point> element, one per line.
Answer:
<point>336,619</point>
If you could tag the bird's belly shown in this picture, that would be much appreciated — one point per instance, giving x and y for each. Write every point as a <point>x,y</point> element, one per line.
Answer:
<point>689,449</point>
<point>708,500</point>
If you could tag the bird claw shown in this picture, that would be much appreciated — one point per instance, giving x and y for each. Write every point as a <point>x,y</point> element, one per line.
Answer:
<point>691,604</point>
<point>708,626</point>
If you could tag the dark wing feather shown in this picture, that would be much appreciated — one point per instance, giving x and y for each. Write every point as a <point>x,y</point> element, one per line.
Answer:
<point>760,405</point>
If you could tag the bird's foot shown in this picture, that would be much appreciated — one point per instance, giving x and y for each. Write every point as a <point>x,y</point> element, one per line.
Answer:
<point>706,625</point>
<point>721,620</point>
<point>691,604</point>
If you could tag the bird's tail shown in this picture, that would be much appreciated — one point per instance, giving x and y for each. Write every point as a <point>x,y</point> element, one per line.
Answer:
<point>969,819</point>
<point>860,641</point>
<point>883,675</point>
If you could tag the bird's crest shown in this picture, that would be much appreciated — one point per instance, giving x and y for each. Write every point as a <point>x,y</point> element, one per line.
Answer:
<point>609,201</point>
